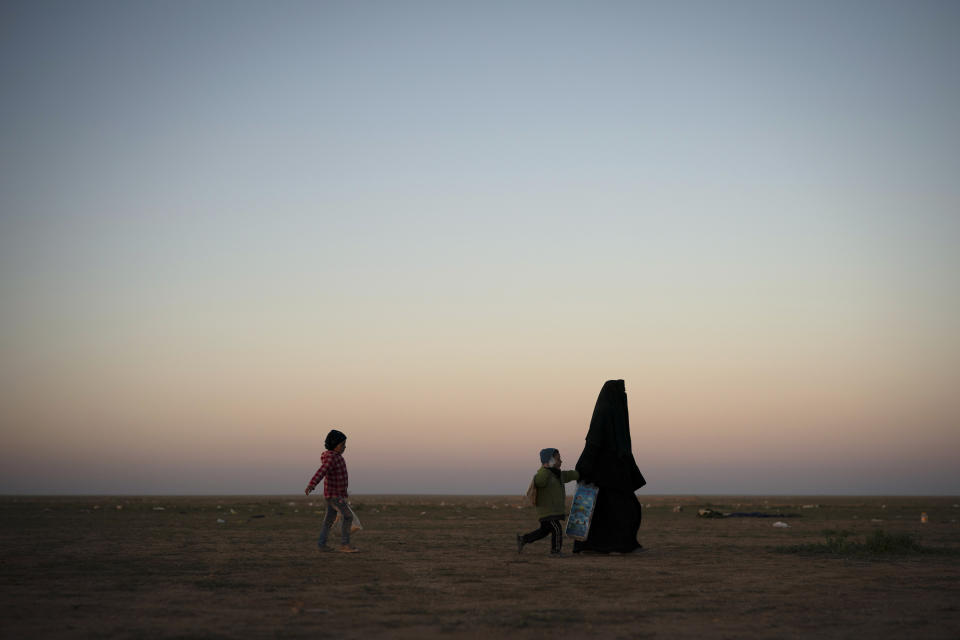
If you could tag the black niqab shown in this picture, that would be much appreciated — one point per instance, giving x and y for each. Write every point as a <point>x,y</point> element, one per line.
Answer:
<point>607,461</point>
<point>607,458</point>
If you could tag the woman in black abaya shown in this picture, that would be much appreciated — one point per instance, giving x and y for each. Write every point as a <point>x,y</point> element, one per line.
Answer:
<point>607,461</point>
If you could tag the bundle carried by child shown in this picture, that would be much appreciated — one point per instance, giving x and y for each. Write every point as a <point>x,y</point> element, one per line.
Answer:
<point>529,498</point>
<point>355,524</point>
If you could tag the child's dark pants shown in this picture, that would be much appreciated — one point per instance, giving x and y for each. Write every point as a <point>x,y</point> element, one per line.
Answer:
<point>335,505</point>
<point>552,527</point>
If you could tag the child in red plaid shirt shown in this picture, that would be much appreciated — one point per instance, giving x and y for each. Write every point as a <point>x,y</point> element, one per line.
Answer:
<point>334,469</point>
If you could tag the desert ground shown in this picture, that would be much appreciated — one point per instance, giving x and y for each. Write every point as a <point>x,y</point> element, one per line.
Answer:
<point>447,566</point>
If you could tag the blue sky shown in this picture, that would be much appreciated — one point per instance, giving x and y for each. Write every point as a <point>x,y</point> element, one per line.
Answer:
<point>228,227</point>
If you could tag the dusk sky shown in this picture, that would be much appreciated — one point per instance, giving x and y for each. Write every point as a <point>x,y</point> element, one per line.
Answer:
<point>227,227</point>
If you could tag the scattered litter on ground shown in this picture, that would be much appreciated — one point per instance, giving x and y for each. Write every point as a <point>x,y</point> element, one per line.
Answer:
<point>221,521</point>
<point>780,525</point>
<point>159,509</point>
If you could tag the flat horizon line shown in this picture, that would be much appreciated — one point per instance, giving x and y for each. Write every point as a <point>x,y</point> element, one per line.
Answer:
<point>469,495</point>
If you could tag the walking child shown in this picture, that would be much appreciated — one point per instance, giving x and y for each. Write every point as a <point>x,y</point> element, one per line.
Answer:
<point>333,471</point>
<point>551,501</point>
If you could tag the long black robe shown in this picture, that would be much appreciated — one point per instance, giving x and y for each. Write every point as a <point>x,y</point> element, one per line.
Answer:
<point>607,461</point>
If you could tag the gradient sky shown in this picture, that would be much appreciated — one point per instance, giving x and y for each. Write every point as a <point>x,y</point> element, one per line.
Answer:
<point>226,227</point>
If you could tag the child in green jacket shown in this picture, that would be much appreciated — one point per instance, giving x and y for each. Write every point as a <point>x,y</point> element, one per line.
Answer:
<point>551,501</point>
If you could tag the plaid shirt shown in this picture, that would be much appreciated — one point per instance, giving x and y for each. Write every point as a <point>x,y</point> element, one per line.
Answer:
<point>335,469</point>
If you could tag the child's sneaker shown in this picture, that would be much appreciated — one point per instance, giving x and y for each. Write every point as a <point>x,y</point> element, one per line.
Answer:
<point>348,549</point>
<point>519,543</point>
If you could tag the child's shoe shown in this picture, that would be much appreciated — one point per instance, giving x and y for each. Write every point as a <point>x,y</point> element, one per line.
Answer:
<point>348,549</point>
<point>519,543</point>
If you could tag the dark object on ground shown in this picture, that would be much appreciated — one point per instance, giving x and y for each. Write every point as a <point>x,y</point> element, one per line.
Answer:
<point>607,461</point>
<point>710,513</point>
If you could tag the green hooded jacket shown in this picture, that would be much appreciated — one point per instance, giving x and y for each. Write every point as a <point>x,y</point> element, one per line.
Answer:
<point>551,495</point>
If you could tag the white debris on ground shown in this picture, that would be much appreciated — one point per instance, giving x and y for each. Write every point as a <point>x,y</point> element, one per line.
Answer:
<point>780,525</point>
<point>221,521</point>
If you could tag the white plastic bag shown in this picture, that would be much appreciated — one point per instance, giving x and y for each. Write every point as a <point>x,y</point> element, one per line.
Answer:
<point>355,525</point>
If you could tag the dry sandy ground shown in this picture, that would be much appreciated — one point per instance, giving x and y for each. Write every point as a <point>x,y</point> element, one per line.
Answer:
<point>448,566</point>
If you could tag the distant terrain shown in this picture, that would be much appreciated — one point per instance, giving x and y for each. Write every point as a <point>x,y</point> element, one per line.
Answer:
<point>248,567</point>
